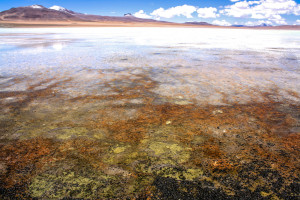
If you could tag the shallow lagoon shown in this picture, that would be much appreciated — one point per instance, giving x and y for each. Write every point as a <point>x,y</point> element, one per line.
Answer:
<point>149,113</point>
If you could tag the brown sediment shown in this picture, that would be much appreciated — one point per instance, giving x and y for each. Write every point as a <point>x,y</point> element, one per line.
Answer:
<point>141,144</point>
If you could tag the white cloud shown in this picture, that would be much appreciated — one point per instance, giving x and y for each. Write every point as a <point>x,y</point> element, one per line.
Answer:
<point>221,22</point>
<point>263,9</point>
<point>207,12</point>
<point>142,14</point>
<point>277,19</point>
<point>266,10</point>
<point>253,2</point>
<point>239,9</point>
<point>297,10</point>
<point>297,22</point>
<point>184,10</point>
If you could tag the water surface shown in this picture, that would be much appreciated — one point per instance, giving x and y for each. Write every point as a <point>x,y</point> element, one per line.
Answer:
<point>170,113</point>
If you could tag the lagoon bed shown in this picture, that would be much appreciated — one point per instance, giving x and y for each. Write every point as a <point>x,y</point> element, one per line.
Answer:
<point>149,113</point>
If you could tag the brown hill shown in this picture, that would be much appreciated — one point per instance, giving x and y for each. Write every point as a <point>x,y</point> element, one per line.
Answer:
<point>41,13</point>
<point>36,12</point>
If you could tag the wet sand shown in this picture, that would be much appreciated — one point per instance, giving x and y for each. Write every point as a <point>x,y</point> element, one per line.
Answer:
<point>183,131</point>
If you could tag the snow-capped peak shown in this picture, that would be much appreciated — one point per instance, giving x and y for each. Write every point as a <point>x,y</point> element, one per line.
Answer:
<point>36,6</point>
<point>58,8</point>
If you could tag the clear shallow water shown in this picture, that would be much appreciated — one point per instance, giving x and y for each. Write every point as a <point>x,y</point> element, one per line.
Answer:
<point>149,113</point>
<point>179,57</point>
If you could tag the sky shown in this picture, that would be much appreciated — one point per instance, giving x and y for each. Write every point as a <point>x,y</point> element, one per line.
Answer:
<point>219,12</point>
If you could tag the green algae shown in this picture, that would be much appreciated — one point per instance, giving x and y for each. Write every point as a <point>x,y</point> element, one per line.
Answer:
<point>191,174</point>
<point>76,181</point>
<point>180,174</point>
<point>162,148</point>
<point>117,154</point>
<point>119,149</point>
<point>144,167</point>
<point>52,131</point>
<point>265,194</point>
<point>171,151</point>
<point>32,131</point>
<point>68,133</point>
<point>166,132</point>
<point>68,184</point>
<point>99,134</point>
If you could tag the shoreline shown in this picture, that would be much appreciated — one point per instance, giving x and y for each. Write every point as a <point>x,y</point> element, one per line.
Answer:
<point>70,24</point>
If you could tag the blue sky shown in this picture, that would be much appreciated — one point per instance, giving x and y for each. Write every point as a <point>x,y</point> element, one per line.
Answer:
<point>221,12</point>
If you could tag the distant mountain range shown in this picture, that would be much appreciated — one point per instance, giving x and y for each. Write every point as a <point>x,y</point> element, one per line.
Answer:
<point>57,13</point>
<point>260,25</point>
<point>199,23</point>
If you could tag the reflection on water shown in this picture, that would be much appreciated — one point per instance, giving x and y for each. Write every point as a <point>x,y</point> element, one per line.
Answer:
<point>145,113</point>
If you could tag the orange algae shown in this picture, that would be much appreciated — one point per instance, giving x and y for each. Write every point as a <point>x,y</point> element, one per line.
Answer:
<point>23,159</point>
